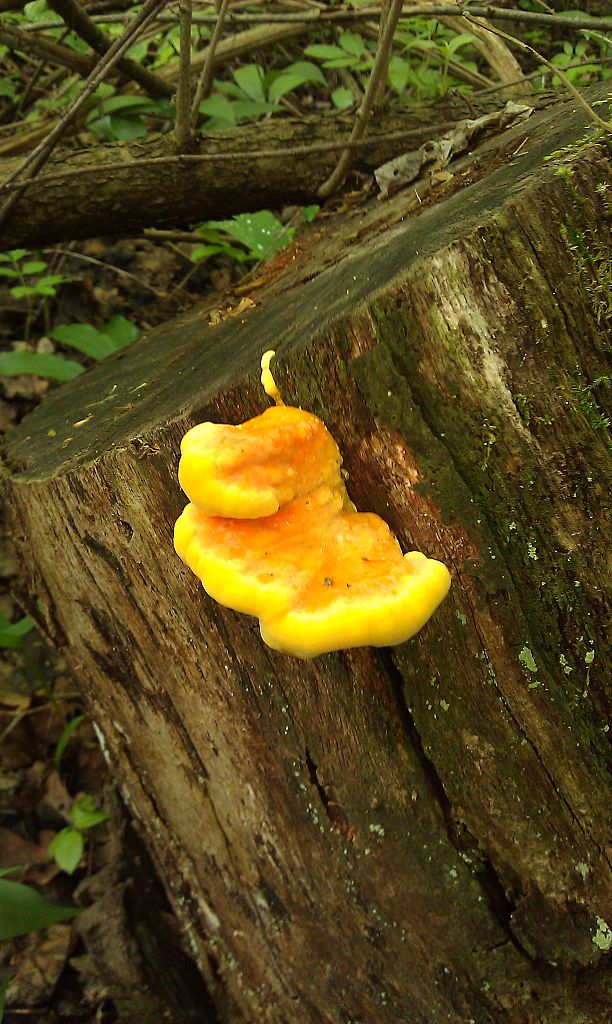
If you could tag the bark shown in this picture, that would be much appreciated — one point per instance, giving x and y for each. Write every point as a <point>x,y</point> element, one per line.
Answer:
<point>123,195</point>
<point>415,834</point>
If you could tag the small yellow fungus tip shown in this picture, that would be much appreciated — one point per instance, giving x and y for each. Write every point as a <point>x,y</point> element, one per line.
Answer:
<point>267,380</point>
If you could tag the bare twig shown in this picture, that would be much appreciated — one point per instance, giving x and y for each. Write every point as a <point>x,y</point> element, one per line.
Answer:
<point>206,77</point>
<point>593,115</point>
<point>41,153</point>
<point>182,130</point>
<point>80,22</point>
<point>377,75</point>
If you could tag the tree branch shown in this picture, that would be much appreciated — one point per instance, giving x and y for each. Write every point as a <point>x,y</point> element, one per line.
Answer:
<point>79,21</point>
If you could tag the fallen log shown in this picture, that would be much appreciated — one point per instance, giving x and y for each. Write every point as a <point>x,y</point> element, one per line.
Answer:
<point>416,833</point>
<point>120,189</point>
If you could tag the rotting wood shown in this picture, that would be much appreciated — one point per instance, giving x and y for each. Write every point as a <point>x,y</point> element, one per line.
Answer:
<point>413,834</point>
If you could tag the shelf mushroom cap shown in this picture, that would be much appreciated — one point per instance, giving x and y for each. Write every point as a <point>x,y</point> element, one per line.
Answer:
<point>250,470</point>
<point>318,576</point>
<point>271,532</point>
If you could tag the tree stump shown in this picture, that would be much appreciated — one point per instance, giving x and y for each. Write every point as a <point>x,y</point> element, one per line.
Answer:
<point>410,834</point>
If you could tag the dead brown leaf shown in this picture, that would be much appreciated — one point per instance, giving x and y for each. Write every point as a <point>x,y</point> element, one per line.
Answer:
<point>39,964</point>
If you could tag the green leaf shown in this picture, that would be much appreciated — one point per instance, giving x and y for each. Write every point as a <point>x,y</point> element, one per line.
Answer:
<point>291,78</point>
<point>122,332</point>
<point>324,52</point>
<point>64,739</point>
<point>12,632</point>
<point>119,127</point>
<point>253,108</point>
<point>220,109</point>
<point>342,98</point>
<point>66,848</point>
<point>261,233</point>
<point>13,364</point>
<point>352,43</point>
<point>23,910</point>
<point>8,272</point>
<point>250,79</point>
<point>309,212</point>
<point>85,814</point>
<point>84,338</point>
<point>37,11</point>
<point>398,74</point>
<point>17,254</point>
<point>33,266</point>
<point>202,252</point>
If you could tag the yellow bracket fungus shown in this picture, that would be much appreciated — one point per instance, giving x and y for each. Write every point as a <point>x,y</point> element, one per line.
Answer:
<point>271,532</point>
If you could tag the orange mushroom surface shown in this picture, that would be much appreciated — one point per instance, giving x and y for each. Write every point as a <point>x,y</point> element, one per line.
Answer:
<point>271,532</point>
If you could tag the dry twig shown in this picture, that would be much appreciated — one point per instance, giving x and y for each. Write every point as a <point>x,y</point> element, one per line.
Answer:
<point>182,130</point>
<point>206,77</point>
<point>377,75</point>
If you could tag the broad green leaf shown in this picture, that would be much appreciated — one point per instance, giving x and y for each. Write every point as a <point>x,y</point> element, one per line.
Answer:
<point>122,332</point>
<point>17,254</point>
<point>220,109</point>
<point>12,632</point>
<point>342,98</point>
<point>352,43</point>
<point>33,266</point>
<point>51,280</point>
<point>286,83</point>
<point>119,127</point>
<point>85,814</point>
<point>14,364</point>
<point>8,272</point>
<point>23,910</point>
<point>250,79</point>
<point>324,52</point>
<point>253,108</point>
<point>84,338</point>
<point>306,67</point>
<point>202,252</point>
<point>64,739</point>
<point>37,11</point>
<point>261,233</point>
<point>66,848</point>
<point>398,74</point>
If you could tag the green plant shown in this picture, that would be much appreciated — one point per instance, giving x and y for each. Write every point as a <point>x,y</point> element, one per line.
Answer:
<point>119,118</point>
<point>19,265</point>
<point>11,633</point>
<point>90,341</point>
<point>67,846</point>
<point>23,909</point>
<point>255,92</point>
<point>260,235</point>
